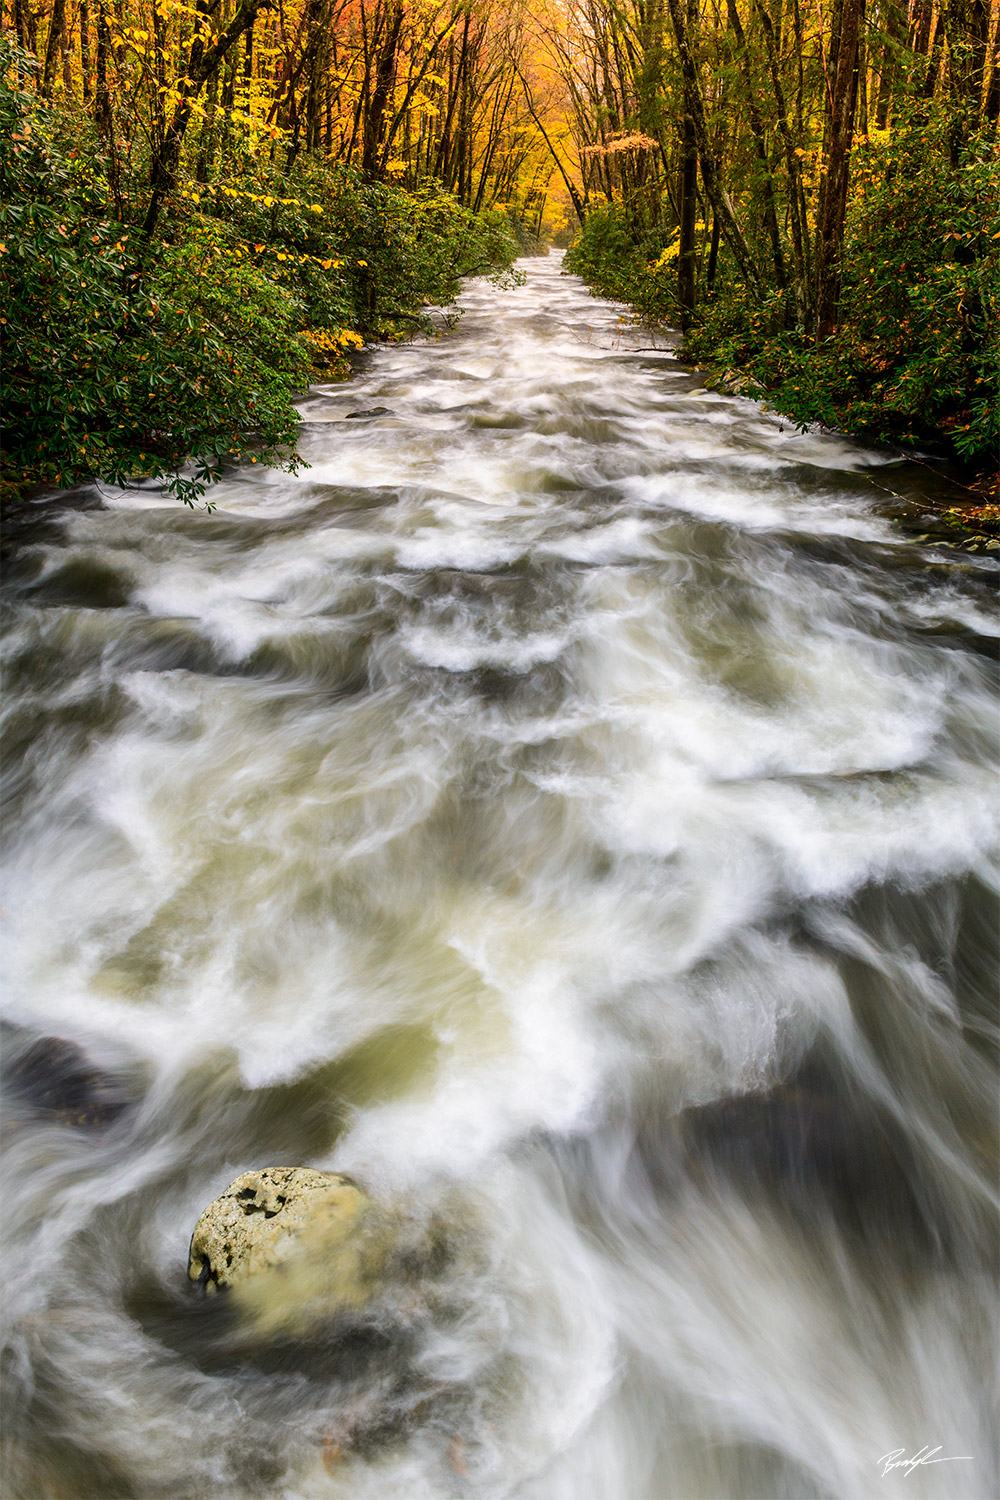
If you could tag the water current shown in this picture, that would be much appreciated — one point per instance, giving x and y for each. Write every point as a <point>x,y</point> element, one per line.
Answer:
<point>567,808</point>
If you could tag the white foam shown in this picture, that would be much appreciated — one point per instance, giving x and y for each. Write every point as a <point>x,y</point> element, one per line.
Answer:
<point>502,932</point>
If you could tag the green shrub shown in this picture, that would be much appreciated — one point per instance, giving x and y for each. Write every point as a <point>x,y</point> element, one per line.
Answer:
<point>640,272</point>
<point>916,358</point>
<point>118,374</point>
<point>356,255</point>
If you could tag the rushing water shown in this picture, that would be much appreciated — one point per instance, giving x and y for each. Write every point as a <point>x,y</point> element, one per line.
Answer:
<point>567,808</point>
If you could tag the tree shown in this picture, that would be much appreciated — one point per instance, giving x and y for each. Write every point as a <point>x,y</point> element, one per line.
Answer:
<point>842,98</point>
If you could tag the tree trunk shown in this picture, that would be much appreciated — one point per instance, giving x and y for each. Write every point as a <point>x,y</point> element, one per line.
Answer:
<point>835,172</point>
<point>991,105</point>
<point>443,152</point>
<point>160,65</point>
<point>102,98</point>
<point>966,27</point>
<point>22,18</point>
<point>207,138</point>
<point>918,39</point>
<point>687,202</point>
<point>717,195</point>
<point>713,254</point>
<point>934,55</point>
<point>888,67</point>
<point>793,162</point>
<point>53,46</point>
<point>85,49</point>
<point>760,149</point>
<point>384,72</point>
<point>201,64</point>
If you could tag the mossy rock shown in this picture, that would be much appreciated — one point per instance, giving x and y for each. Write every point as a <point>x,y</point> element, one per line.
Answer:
<point>293,1247</point>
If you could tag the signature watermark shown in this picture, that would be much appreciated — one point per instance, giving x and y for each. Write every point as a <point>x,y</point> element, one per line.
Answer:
<point>897,1460</point>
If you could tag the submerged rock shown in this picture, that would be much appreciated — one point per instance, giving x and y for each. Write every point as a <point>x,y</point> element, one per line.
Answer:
<point>370,411</point>
<point>729,383</point>
<point>54,1080</point>
<point>815,1146</point>
<point>293,1245</point>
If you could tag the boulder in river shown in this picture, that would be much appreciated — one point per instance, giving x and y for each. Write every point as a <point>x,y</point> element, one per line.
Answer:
<point>294,1246</point>
<point>54,1081</point>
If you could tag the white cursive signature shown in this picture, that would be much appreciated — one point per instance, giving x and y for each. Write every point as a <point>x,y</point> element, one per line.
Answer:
<point>895,1460</point>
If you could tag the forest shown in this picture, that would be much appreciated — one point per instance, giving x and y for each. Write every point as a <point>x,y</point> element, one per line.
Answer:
<point>204,207</point>
<point>814,195</point>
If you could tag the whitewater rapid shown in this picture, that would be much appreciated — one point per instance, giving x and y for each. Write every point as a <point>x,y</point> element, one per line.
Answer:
<point>569,807</point>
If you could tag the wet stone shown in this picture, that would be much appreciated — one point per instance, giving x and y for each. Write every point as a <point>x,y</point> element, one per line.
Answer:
<point>293,1246</point>
<point>55,1080</point>
<point>815,1148</point>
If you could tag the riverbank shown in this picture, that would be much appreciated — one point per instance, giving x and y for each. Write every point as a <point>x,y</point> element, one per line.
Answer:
<point>911,359</point>
<point>960,508</point>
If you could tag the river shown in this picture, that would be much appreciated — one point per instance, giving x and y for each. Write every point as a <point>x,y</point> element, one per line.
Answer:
<point>568,807</point>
